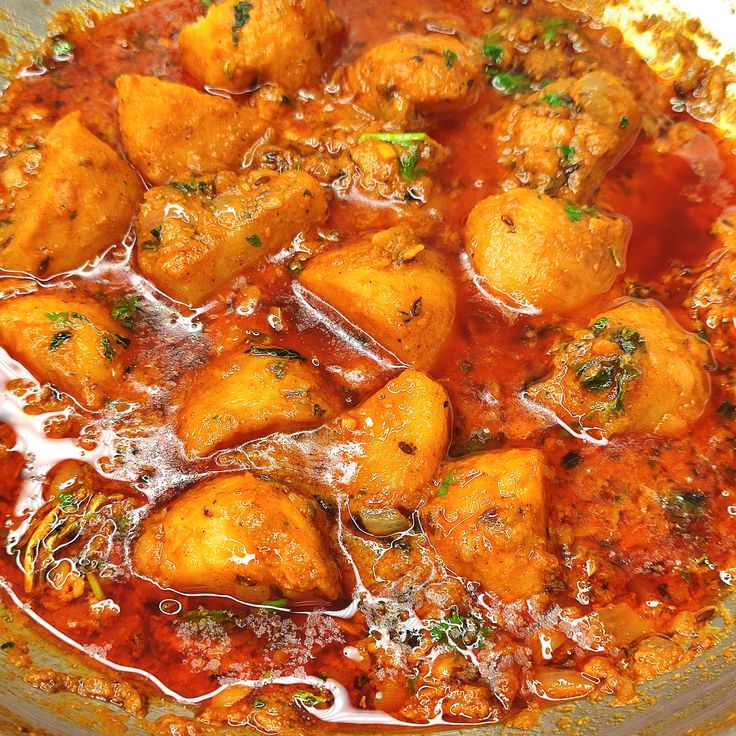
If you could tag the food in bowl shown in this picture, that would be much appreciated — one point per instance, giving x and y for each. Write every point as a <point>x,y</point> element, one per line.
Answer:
<point>365,365</point>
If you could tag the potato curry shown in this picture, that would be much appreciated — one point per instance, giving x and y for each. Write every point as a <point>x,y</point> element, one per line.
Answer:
<point>366,364</point>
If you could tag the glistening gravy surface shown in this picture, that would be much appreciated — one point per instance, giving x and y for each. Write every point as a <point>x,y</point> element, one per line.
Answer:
<point>639,529</point>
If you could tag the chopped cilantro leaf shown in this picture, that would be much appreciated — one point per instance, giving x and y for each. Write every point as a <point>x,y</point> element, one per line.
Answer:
<point>403,139</point>
<point>599,325</point>
<point>254,240</point>
<point>596,375</point>
<point>121,340</point>
<point>408,163</point>
<point>447,481</point>
<point>305,697</point>
<point>508,83</point>
<point>66,499</point>
<point>59,339</point>
<point>108,352</point>
<point>627,339</point>
<point>494,51</point>
<point>460,631</point>
<point>567,153</point>
<point>575,212</point>
<point>241,15</point>
<point>558,99</point>
<point>554,25</point>
<point>450,58</point>
<point>125,309</point>
<point>62,47</point>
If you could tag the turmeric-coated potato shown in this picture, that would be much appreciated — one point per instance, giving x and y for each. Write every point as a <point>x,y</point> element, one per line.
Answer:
<point>429,74</point>
<point>392,287</point>
<point>712,298</point>
<point>632,370</point>
<point>81,201</point>
<point>249,394</point>
<point>170,129</point>
<point>541,253</point>
<point>237,44</point>
<point>73,344</point>
<point>382,453</point>
<point>195,236</point>
<point>488,522</point>
<point>565,138</point>
<point>239,535</point>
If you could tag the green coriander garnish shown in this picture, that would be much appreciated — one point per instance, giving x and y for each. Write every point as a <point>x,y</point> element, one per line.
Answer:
<point>567,153</point>
<point>494,51</point>
<point>558,99</point>
<point>447,481</point>
<point>241,15</point>
<point>62,46</point>
<point>125,309</point>
<point>401,138</point>
<point>308,698</point>
<point>575,212</point>
<point>59,339</point>
<point>508,83</point>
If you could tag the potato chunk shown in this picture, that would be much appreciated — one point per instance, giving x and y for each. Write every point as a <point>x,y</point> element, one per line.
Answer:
<point>380,455</point>
<point>249,394</point>
<point>566,137</point>
<point>194,237</point>
<point>576,252</point>
<point>239,535</point>
<point>392,287</point>
<point>238,43</point>
<point>632,370</point>
<point>73,344</point>
<point>488,522</point>
<point>712,298</point>
<point>428,74</point>
<point>170,129</point>
<point>81,201</point>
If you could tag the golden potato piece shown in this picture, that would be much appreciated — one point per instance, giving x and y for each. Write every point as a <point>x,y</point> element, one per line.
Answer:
<point>81,201</point>
<point>249,394</point>
<point>632,370</point>
<point>565,138</point>
<point>73,344</point>
<point>381,454</point>
<point>488,522</point>
<point>239,535</point>
<point>432,73</point>
<point>392,287</point>
<point>194,237</point>
<point>712,298</point>
<point>239,43</point>
<point>575,251</point>
<point>170,129</point>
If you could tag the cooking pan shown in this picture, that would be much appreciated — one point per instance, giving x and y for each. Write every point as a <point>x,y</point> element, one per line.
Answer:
<point>699,700</point>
